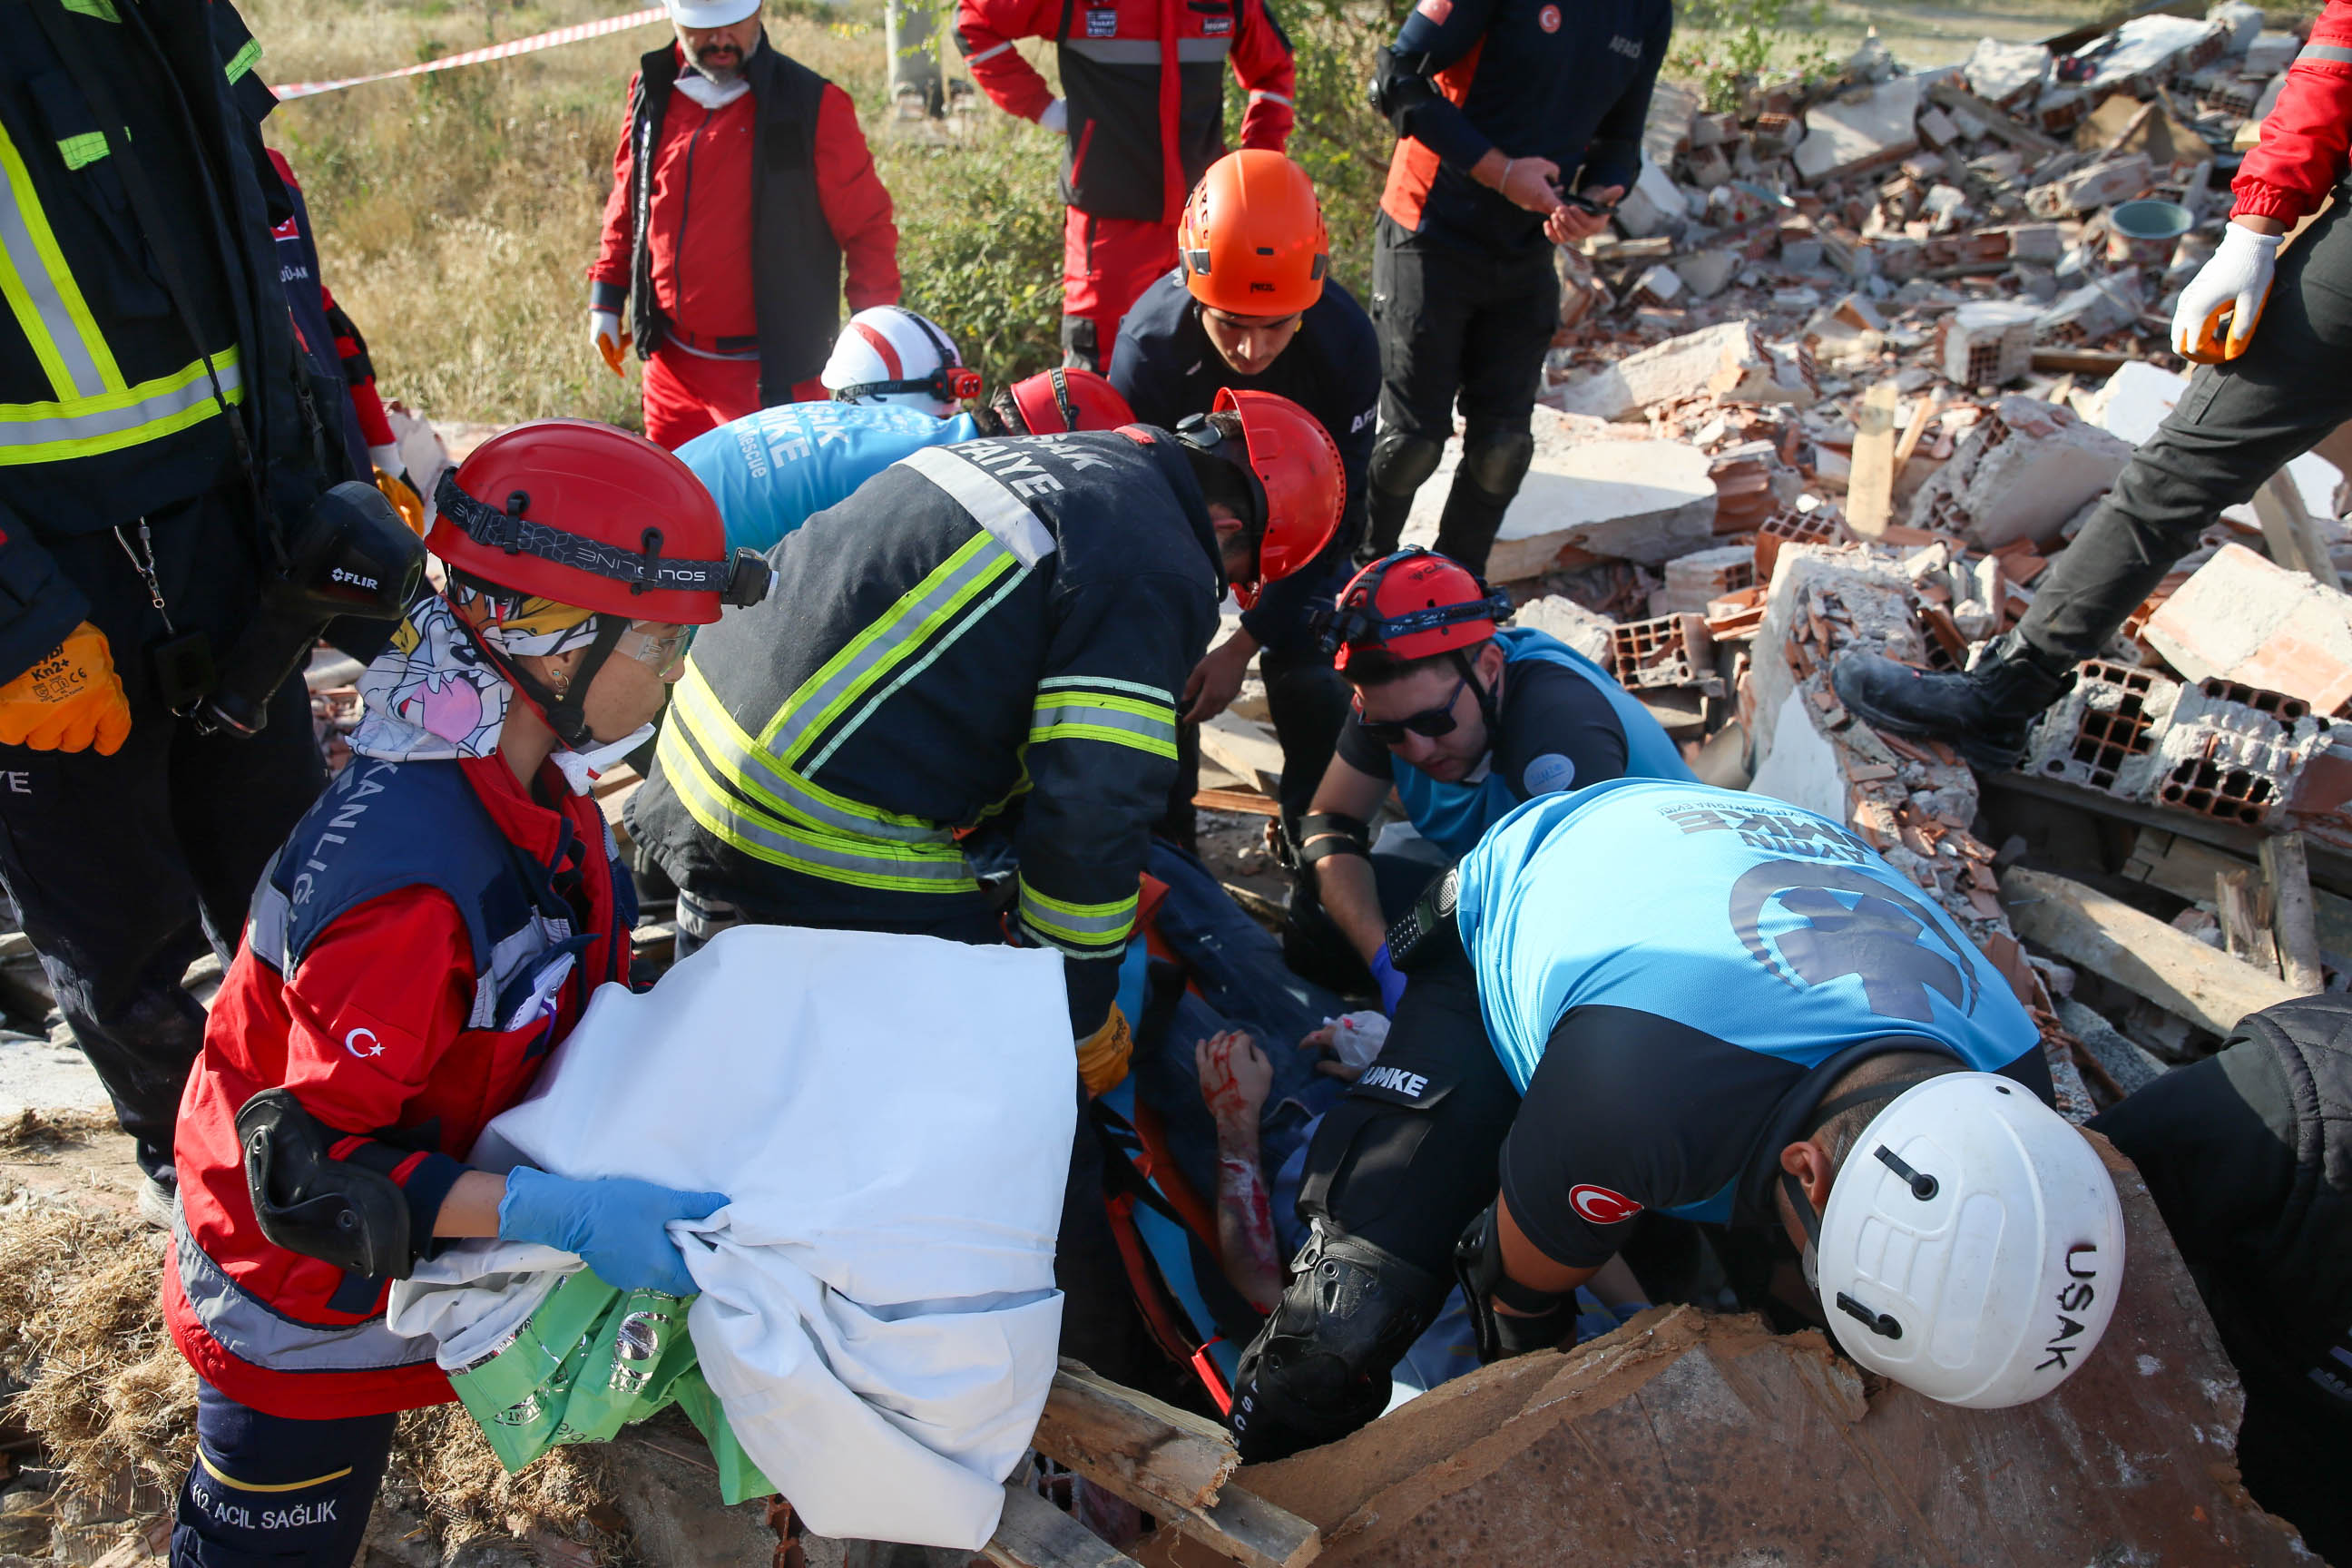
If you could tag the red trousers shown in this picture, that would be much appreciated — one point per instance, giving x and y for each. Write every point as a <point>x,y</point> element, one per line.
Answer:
<point>686,394</point>
<point>1106,262</point>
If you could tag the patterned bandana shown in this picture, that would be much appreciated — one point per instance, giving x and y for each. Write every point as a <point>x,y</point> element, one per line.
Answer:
<point>430,696</point>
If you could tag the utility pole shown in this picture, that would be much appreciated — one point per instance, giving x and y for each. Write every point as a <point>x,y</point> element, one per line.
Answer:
<point>915,86</point>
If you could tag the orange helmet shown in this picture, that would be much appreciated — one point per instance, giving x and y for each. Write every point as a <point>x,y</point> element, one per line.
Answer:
<point>1296,466</point>
<point>585,514</point>
<point>1057,402</point>
<point>1251,240</point>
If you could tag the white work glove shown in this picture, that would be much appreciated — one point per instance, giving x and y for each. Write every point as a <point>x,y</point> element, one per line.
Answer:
<point>2236,284</point>
<point>1056,118</point>
<point>604,331</point>
<point>387,458</point>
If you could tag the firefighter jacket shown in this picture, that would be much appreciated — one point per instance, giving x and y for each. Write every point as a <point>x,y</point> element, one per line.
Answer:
<point>143,313</point>
<point>1145,85</point>
<point>429,934</point>
<point>776,191</point>
<point>1001,626</point>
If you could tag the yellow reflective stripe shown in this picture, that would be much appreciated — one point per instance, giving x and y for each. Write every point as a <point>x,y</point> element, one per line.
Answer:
<point>85,426</point>
<point>1041,733</point>
<point>1078,926</point>
<point>225,1479</point>
<point>102,9</point>
<point>42,294</point>
<point>245,60</point>
<point>754,772</point>
<point>1148,725</point>
<point>947,640</point>
<point>863,863</point>
<point>891,639</point>
<point>79,151</point>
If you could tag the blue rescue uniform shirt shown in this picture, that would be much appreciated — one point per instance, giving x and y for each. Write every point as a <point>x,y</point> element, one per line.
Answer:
<point>1672,974</point>
<point>773,470</point>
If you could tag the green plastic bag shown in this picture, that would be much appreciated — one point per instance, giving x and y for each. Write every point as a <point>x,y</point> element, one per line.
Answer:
<point>592,1360</point>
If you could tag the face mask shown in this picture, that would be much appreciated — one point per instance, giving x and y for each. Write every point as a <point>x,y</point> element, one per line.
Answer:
<point>581,770</point>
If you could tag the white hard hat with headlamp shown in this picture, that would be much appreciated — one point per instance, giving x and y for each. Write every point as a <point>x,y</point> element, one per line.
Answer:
<point>890,354</point>
<point>710,13</point>
<point>1972,1246</point>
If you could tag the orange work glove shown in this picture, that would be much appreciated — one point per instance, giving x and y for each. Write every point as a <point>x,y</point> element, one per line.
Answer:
<point>69,700</point>
<point>1103,1055</point>
<point>2232,287</point>
<point>611,339</point>
<point>404,498</point>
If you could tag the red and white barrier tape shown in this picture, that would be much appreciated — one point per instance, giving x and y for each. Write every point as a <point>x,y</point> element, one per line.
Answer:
<point>475,57</point>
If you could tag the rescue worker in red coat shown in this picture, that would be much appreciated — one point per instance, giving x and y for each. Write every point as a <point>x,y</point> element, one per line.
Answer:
<point>741,187</point>
<point>1144,118</point>
<point>332,342</point>
<point>429,932</point>
<point>2261,399</point>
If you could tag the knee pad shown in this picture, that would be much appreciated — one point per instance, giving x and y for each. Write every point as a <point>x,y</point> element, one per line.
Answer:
<point>1319,1368</point>
<point>1401,464</point>
<point>1538,1320</point>
<point>1497,461</point>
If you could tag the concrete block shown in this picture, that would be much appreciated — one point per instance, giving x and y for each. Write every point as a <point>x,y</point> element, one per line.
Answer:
<point>1729,362</point>
<point>2020,473</point>
<point>2153,48</point>
<point>1685,1439</point>
<point>1989,342</point>
<point>1639,500</point>
<point>1654,205</point>
<point>1589,632</point>
<point>1694,580</point>
<point>2269,54</point>
<point>2246,619</point>
<point>1709,272</point>
<point>2005,74</point>
<point>2234,754</point>
<point>2104,184</point>
<point>2243,22</point>
<point>1803,767</point>
<point>1857,132</point>
<point>1667,650</point>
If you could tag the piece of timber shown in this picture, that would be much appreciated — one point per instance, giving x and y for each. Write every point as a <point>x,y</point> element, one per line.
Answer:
<point>2329,869</point>
<point>1033,1533</point>
<point>1147,1452</point>
<point>1248,802</point>
<point>2293,916</point>
<point>1997,121</point>
<point>1252,1531</point>
<point>2081,362</point>
<point>2138,952</point>
<point>1246,750</point>
<point>1870,489</point>
<point>2185,868</point>
<point>2242,903</point>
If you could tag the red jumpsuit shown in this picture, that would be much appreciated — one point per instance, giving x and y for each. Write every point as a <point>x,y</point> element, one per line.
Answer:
<point>701,242</point>
<point>1144,81</point>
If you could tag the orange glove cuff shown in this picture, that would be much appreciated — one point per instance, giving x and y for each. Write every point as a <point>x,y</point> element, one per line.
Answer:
<point>69,700</point>
<point>1103,1056</point>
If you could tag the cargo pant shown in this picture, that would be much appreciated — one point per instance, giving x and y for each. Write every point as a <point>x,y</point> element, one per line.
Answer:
<point>2238,424</point>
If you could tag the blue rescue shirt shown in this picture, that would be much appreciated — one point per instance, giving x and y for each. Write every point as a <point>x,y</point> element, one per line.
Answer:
<point>1660,965</point>
<point>773,470</point>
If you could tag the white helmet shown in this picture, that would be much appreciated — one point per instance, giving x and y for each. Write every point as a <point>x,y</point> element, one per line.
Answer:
<point>1972,1246</point>
<point>710,13</point>
<point>889,355</point>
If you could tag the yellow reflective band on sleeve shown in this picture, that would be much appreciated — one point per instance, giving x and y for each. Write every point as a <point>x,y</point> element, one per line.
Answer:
<point>225,1479</point>
<point>833,857</point>
<point>1083,929</point>
<point>85,426</point>
<point>243,60</point>
<point>102,9</point>
<point>79,151</point>
<point>1094,716</point>
<point>42,294</point>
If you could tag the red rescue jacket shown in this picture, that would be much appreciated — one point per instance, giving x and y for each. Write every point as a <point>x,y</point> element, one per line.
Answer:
<point>473,923</point>
<point>2301,152</point>
<point>1145,84</point>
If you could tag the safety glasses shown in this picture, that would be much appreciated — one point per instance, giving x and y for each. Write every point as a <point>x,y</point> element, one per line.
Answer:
<point>1429,722</point>
<point>658,645</point>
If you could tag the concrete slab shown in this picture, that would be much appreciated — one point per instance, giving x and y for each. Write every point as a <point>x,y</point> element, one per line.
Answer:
<point>2000,72</point>
<point>1639,500</point>
<point>1853,132</point>
<point>2244,618</point>
<point>1728,360</point>
<point>43,1075</point>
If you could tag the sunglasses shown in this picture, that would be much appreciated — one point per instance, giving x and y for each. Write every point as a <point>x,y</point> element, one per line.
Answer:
<point>661,653</point>
<point>1429,722</point>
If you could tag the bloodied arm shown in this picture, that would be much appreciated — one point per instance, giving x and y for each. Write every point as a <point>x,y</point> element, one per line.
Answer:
<point>1235,1078</point>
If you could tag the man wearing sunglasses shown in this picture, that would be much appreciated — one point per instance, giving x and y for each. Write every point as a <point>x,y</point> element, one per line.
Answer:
<point>1249,306</point>
<point>1467,720</point>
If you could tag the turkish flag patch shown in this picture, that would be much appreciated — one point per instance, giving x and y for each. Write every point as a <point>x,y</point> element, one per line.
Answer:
<point>1600,1205</point>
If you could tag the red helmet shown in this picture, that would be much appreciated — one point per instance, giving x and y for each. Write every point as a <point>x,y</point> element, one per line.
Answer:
<point>1297,465</point>
<point>1057,402</point>
<point>1413,603</point>
<point>584,514</point>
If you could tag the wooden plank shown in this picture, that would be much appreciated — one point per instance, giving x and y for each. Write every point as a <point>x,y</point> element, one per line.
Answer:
<point>1033,1533</point>
<point>2185,868</point>
<point>1245,749</point>
<point>1148,1452</point>
<point>1870,488</point>
<point>1923,415</point>
<point>1248,802</point>
<point>1997,121</point>
<point>1252,1531</point>
<point>2138,952</point>
<point>2330,869</point>
<point>2294,915</point>
<point>2080,361</point>
<point>2242,903</point>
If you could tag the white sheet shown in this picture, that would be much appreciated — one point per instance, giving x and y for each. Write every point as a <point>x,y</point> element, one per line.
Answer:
<point>891,1118</point>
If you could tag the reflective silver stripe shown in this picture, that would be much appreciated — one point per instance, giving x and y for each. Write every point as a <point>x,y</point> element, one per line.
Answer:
<point>1259,95</point>
<point>988,54</point>
<point>19,429</point>
<point>696,709</point>
<point>1146,51</point>
<point>53,320</point>
<point>941,593</point>
<point>2335,53</point>
<point>252,1331</point>
<point>1080,935</point>
<point>991,501</point>
<point>1073,710</point>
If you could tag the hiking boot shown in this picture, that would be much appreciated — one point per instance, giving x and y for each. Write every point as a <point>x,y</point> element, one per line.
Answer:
<point>1984,715</point>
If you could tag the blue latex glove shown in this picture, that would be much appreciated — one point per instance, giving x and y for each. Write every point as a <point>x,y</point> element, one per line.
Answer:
<point>614,1224</point>
<point>1391,984</point>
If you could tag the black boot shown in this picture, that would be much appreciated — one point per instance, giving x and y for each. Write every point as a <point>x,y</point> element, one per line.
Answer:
<point>1984,715</point>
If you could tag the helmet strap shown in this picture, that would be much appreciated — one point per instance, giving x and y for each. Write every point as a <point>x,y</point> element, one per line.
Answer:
<point>1823,1113</point>
<point>564,712</point>
<point>1488,710</point>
